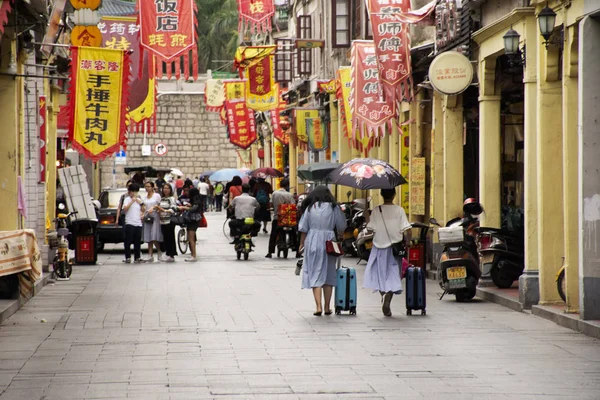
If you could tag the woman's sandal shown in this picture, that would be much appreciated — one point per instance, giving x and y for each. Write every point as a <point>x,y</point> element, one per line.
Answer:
<point>328,312</point>
<point>317,313</point>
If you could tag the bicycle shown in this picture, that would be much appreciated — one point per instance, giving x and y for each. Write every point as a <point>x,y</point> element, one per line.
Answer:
<point>182,239</point>
<point>61,264</point>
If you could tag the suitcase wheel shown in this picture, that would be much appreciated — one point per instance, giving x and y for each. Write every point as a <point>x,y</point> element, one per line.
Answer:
<point>338,310</point>
<point>423,312</point>
<point>353,311</point>
<point>408,312</point>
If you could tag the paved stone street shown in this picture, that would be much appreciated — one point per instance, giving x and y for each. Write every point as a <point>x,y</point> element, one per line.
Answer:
<point>227,329</point>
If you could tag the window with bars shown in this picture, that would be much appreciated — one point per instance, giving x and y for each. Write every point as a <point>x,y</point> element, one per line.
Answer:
<point>341,23</point>
<point>304,31</point>
<point>357,19</point>
<point>283,60</point>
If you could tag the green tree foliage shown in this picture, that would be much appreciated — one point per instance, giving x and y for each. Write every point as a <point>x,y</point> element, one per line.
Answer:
<point>217,33</point>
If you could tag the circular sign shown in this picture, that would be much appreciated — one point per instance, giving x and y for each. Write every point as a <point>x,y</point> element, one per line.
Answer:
<point>91,4</point>
<point>450,73</point>
<point>160,149</point>
<point>86,36</point>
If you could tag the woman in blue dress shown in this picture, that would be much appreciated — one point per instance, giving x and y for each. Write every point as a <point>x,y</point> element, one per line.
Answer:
<point>321,218</point>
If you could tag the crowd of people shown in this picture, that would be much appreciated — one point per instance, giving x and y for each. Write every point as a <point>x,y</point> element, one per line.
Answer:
<point>151,218</point>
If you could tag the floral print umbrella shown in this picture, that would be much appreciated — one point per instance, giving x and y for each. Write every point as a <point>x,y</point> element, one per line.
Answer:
<point>367,173</point>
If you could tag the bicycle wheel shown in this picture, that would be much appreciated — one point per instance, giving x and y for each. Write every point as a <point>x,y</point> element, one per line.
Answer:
<point>182,240</point>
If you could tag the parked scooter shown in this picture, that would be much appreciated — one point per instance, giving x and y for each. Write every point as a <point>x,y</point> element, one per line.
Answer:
<point>502,255</point>
<point>350,210</point>
<point>59,238</point>
<point>459,261</point>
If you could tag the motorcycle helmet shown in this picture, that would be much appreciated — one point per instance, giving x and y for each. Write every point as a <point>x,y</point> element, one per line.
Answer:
<point>472,206</point>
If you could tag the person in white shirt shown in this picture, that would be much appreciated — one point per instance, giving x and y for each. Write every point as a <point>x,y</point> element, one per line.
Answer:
<point>203,188</point>
<point>133,207</point>
<point>390,225</point>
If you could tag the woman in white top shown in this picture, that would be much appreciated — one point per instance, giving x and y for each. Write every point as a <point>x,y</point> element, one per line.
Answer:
<point>152,231</point>
<point>390,225</point>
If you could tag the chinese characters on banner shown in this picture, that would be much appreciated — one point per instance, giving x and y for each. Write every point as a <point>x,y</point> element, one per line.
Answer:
<point>121,33</point>
<point>98,100</point>
<point>167,29</point>
<point>404,166</point>
<point>214,95</point>
<point>262,92</point>
<point>278,155</point>
<point>301,115</point>
<point>43,110</point>
<point>255,15</point>
<point>240,120</point>
<point>392,46</point>
<point>370,113</point>
<point>318,137</point>
<point>278,132</point>
<point>344,84</point>
<point>417,186</point>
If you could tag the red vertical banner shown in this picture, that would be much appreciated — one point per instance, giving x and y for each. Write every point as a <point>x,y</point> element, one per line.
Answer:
<point>370,112</point>
<point>240,119</point>
<point>255,15</point>
<point>167,29</point>
<point>43,113</point>
<point>392,46</point>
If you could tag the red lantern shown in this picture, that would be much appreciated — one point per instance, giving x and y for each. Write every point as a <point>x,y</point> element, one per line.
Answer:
<point>284,123</point>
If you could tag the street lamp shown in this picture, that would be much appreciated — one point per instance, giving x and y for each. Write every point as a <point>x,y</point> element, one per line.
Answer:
<point>546,20</point>
<point>516,57</point>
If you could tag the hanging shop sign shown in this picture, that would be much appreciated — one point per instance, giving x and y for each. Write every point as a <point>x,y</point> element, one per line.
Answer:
<point>255,15</point>
<point>392,47</point>
<point>240,120</point>
<point>278,156</point>
<point>277,124</point>
<point>450,73</point>
<point>91,4</point>
<point>370,112</point>
<point>417,186</point>
<point>318,136</point>
<point>301,116</point>
<point>262,93</point>
<point>43,113</point>
<point>214,95</point>
<point>447,24</point>
<point>344,85</point>
<point>167,27</point>
<point>404,165</point>
<point>328,87</point>
<point>309,43</point>
<point>87,36</point>
<point>98,102</point>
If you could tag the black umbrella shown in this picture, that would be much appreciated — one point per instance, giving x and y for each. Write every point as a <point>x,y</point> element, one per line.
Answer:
<point>367,173</point>
<point>316,171</point>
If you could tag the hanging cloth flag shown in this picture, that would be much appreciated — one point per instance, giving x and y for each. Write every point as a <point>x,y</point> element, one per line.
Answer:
<point>214,95</point>
<point>4,10</point>
<point>279,131</point>
<point>421,16</point>
<point>318,135</point>
<point>122,33</point>
<point>370,112</point>
<point>255,15</point>
<point>98,100</point>
<point>301,116</point>
<point>167,29</point>
<point>392,46</point>
<point>240,120</point>
<point>262,94</point>
<point>344,78</point>
<point>247,56</point>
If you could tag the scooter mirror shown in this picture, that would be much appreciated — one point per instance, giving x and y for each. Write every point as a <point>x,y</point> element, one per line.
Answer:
<point>348,194</point>
<point>434,221</point>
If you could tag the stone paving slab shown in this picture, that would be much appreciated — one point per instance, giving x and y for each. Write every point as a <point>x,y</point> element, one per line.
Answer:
<point>227,329</point>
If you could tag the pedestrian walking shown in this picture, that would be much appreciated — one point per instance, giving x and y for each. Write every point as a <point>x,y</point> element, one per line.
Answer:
<point>235,190</point>
<point>132,208</point>
<point>322,220</point>
<point>152,231</point>
<point>166,208</point>
<point>193,212</point>
<point>390,226</point>
<point>219,196</point>
<point>262,191</point>
<point>280,196</point>
<point>119,220</point>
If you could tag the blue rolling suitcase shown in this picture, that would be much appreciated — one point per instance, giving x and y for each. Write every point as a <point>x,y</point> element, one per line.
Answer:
<point>345,290</point>
<point>415,290</point>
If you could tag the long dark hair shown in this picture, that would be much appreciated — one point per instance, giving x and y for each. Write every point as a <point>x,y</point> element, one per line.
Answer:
<point>320,194</point>
<point>195,196</point>
<point>236,181</point>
